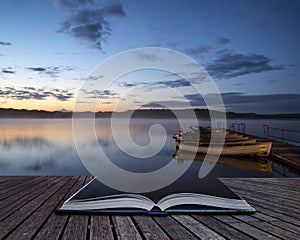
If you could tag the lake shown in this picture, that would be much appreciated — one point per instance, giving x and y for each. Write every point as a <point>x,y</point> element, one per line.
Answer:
<point>46,147</point>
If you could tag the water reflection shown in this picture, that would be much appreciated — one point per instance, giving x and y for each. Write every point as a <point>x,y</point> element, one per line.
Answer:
<point>46,147</point>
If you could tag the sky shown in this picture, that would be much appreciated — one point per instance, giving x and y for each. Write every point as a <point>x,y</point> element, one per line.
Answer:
<point>48,50</point>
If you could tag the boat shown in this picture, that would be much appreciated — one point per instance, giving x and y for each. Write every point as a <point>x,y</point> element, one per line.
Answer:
<point>225,143</point>
<point>256,164</point>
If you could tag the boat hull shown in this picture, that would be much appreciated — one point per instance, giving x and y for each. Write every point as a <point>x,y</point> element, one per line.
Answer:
<point>255,149</point>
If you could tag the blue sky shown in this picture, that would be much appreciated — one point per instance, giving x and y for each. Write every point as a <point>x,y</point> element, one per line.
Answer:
<point>249,48</point>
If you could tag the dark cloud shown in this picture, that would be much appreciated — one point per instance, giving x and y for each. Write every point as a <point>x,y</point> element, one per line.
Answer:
<point>240,102</point>
<point>52,72</point>
<point>87,21</point>
<point>100,94</point>
<point>37,69</point>
<point>175,83</point>
<point>5,43</point>
<point>223,41</point>
<point>35,93</point>
<point>6,71</point>
<point>229,64</point>
<point>196,51</point>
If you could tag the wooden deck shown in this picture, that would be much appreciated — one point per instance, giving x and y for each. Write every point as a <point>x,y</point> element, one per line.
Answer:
<point>287,154</point>
<point>27,211</point>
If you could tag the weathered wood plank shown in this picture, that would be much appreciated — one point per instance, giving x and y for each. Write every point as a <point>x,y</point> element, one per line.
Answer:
<point>124,227</point>
<point>277,231</point>
<point>172,228</point>
<point>6,188</point>
<point>267,195</point>
<point>264,186</point>
<point>30,225</point>
<point>12,205</point>
<point>272,189</point>
<point>77,223</point>
<point>77,226</point>
<point>101,227</point>
<point>247,228</point>
<point>273,206</point>
<point>221,228</point>
<point>149,228</point>
<point>14,220</point>
<point>281,217</point>
<point>197,228</point>
<point>33,215</point>
<point>22,195</point>
<point>252,231</point>
<point>54,226</point>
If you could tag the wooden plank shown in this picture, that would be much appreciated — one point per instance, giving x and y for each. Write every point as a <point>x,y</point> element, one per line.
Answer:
<point>13,204</point>
<point>246,227</point>
<point>125,228</point>
<point>54,226</point>
<point>266,196</point>
<point>252,231</point>
<point>267,186</point>
<point>281,217</point>
<point>197,228</point>
<point>31,224</point>
<point>277,222</point>
<point>101,227</point>
<point>221,228</point>
<point>172,228</point>
<point>270,186</point>
<point>277,231</point>
<point>149,228</point>
<point>77,223</point>
<point>273,206</point>
<point>14,220</point>
<point>7,188</point>
<point>77,226</point>
<point>21,195</point>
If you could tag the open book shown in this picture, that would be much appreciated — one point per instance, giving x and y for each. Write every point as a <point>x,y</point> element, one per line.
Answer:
<point>97,197</point>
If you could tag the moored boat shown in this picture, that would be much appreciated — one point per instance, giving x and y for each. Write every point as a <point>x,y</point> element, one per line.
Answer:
<point>214,141</point>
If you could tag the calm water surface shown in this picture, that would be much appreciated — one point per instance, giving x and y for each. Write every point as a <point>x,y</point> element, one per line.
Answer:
<point>46,147</point>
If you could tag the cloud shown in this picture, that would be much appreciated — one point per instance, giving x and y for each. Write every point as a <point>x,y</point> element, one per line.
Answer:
<point>240,102</point>
<point>168,83</point>
<point>223,41</point>
<point>35,93</point>
<point>196,51</point>
<point>143,56</point>
<point>229,64</point>
<point>69,4</point>
<point>52,72</point>
<point>88,21</point>
<point>37,69</point>
<point>105,94</point>
<point>5,43</point>
<point>6,71</point>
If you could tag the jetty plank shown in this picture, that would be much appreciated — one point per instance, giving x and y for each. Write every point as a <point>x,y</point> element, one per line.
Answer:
<point>221,228</point>
<point>13,221</point>
<point>30,225</point>
<point>125,228</point>
<point>149,228</point>
<point>33,215</point>
<point>197,228</point>
<point>101,227</point>
<point>173,228</point>
<point>55,224</point>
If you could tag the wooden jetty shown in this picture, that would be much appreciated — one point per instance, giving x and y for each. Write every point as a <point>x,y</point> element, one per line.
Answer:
<point>28,204</point>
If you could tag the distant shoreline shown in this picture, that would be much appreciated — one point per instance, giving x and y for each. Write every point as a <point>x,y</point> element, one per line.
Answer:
<point>142,114</point>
